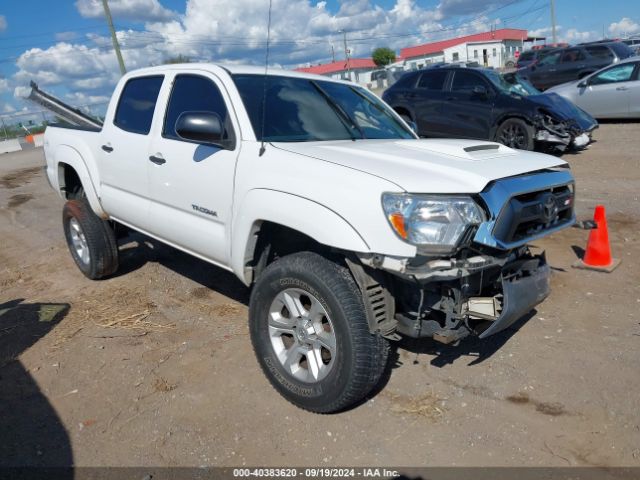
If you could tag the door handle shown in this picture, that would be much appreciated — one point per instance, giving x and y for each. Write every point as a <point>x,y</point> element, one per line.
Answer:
<point>622,89</point>
<point>107,148</point>
<point>157,160</point>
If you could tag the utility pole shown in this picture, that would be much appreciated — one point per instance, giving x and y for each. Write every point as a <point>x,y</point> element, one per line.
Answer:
<point>333,54</point>
<point>553,21</point>
<point>116,45</point>
<point>346,52</point>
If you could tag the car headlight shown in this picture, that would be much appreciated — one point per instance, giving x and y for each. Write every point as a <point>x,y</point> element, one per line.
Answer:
<point>432,222</point>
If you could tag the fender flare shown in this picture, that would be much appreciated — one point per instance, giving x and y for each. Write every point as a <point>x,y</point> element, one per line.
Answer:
<point>299,213</point>
<point>67,155</point>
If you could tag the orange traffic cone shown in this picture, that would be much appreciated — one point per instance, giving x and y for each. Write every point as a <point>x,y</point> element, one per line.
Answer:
<point>598,253</point>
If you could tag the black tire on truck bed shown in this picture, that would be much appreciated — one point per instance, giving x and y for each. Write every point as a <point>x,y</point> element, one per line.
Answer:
<point>99,257</point>
<point>328,302</point>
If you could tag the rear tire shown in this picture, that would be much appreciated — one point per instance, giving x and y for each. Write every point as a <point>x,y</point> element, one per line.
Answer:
<point>515,133</point>
<point>310,333</point>
<point>90,239</point>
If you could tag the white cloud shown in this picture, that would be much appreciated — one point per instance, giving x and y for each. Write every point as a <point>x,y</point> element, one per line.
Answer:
<point>302,31</point>
<point>3,23</point>
<point>576,36</point>
<point>468,7</point>
<point>4,85</point>
<point>135,10</point>
<point>571,35</point>
<point>6,108</point>
<point>624,27</point>
<point>21,92</point>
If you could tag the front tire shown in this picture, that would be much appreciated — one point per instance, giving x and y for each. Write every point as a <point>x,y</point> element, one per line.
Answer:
<point>310,333</point>
<point>90,239</point>
<point>515,133</point>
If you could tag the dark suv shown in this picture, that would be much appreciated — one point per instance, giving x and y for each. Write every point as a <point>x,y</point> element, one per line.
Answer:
<point>573,63</point>
<point>462,102</point>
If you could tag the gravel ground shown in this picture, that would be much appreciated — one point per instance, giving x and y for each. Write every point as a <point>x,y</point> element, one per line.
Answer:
<point>155,367</point>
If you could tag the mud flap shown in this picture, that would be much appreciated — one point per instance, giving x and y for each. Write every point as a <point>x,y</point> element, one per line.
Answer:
<point>521,292</point>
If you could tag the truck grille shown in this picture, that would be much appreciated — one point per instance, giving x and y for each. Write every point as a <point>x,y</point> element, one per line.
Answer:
<point>531,214</point>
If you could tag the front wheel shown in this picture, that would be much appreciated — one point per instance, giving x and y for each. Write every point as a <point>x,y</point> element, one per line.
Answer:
<point>515,133</point>
<point>310,333</point>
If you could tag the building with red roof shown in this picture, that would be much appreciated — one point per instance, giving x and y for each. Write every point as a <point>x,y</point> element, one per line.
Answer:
<point>359,68</point>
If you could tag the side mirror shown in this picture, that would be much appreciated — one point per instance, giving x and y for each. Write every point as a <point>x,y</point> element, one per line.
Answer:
<point>202,127</point>
<point>583,84</point>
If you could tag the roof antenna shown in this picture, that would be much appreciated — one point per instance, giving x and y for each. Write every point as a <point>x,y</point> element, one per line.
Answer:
<point>264,90</point>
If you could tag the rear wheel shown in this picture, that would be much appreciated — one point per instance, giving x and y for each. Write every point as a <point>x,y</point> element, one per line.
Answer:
<point>90,239</point>
<point>310,333</point>
<point>515,133</point>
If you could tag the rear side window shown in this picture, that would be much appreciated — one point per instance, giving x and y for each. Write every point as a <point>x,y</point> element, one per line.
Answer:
<point>137,103</point>
<point>466,81</point>
<point>193,93</point>
<point>433,80</point>
<point>528,55</point>
<point>572,55</point>
<point>408,80</point>
<point>600,52</point>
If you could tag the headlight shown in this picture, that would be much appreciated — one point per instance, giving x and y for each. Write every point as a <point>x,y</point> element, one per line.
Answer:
<point>435,223</point>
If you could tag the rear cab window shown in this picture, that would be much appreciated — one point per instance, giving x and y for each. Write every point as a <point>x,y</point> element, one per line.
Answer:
<point>137,103</point>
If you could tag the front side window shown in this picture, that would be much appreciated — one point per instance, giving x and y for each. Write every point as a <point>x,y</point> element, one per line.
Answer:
<point>193,93</point>
<point>619,73</point>
<point>306,110</point>
<point>137,104</point>
<point>465,82</point>
<point>433,80</point>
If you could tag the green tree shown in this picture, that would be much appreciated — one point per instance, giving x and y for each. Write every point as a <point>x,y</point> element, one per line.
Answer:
<point>383,56</point>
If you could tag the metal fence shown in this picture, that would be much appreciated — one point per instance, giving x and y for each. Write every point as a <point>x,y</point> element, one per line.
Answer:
<point>24,123</point>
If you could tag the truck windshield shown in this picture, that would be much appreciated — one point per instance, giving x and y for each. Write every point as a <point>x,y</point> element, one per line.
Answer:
<point>307,110</point>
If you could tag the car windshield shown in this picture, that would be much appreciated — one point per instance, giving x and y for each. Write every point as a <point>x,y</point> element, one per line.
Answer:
<point>512,83</point>
<point>307,110</point>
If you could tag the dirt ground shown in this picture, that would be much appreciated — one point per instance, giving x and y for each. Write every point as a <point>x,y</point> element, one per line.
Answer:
<point>155,367</point>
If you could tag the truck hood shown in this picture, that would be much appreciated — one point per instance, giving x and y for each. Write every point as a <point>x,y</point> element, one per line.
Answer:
<point>427,166</point>
<point>563,109</point>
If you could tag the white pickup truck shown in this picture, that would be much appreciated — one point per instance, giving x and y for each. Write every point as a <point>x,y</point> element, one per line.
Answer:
<point>349,230</point>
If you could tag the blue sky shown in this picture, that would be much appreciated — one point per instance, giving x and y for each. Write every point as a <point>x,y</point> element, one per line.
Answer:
<point>66,48</point>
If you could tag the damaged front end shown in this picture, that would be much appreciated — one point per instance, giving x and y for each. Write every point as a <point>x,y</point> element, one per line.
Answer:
<point>561,134</point>
<point>488,282</point>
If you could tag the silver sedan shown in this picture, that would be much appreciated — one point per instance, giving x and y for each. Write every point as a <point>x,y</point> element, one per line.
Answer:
<point>613,92</point>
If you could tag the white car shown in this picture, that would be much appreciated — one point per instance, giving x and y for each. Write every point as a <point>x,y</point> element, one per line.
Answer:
<point>349,229</point>
<point>613,92</point>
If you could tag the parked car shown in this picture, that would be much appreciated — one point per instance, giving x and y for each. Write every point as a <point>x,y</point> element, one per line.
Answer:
<point>532,56</point>
<point>613,92</point>
<point>573,63</point>
<point>482,103</point>
<point>349,229</point>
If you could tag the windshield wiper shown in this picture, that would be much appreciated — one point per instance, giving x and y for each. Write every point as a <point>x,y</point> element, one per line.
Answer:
<point>346,119</point>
